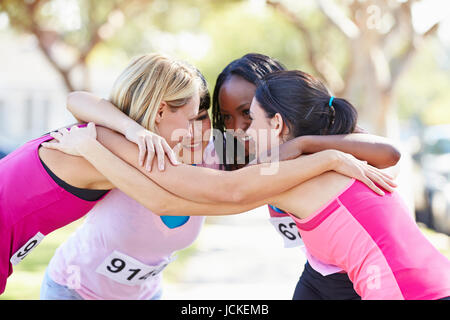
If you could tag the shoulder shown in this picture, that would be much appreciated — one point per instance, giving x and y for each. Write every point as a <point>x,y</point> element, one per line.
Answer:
<point>112,140</point>
<point>68,168</point>
<point>118,145</point>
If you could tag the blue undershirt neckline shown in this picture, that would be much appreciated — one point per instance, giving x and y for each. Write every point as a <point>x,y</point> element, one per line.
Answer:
<point>277,209</point>
<point>173,222</point>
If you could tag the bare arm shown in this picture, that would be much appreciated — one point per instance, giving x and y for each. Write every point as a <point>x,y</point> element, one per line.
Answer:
<point>229,188</point>
<point>78,172</point>
<point>377,151</point>
<point>87,107</point>
<point>149,194</point>
<point>246,185</point>
<point>155,198</point>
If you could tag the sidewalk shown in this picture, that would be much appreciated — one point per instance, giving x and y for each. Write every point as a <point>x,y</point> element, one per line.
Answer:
<point>239,257</point>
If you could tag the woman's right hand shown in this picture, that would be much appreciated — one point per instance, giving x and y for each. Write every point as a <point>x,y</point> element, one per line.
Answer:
<point>348,165</point>
<point>149,144</point>
<point>69,141</point>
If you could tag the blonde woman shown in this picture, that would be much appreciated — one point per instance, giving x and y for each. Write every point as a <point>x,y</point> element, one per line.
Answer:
<point>130,243</point>
<point>43,189</point>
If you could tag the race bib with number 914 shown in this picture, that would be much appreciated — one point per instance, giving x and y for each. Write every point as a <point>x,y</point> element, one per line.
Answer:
<point>127,270</point>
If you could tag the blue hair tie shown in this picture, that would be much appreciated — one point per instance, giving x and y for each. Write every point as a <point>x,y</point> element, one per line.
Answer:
<point>331,101</point>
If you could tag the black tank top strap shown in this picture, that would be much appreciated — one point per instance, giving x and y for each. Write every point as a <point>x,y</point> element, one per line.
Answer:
<point>85,194</point>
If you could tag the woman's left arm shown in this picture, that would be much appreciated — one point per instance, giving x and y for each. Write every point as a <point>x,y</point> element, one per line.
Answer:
<point>242,186</point>
<point>87,107</point>
<point>377,151</point>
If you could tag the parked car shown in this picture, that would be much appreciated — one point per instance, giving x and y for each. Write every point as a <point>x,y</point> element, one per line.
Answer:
<point>434,163</point>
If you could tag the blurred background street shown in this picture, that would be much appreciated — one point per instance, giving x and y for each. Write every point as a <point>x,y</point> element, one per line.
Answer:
<point>390,58</point>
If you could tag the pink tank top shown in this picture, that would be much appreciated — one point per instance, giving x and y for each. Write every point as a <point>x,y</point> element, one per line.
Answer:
<point>119,237</point>
<point>31,205</point>
<point>377,242</point>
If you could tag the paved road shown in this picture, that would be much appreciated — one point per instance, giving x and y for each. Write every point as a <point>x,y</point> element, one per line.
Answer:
<point>239,257</point>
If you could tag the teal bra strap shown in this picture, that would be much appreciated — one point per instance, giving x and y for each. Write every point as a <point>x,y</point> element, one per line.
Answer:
<point>276,209</point>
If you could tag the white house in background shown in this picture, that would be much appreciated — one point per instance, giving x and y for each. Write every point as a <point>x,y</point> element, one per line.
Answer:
<point>32,94</point>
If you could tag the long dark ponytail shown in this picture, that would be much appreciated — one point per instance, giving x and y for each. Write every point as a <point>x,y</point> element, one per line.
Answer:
<point>305,104</point>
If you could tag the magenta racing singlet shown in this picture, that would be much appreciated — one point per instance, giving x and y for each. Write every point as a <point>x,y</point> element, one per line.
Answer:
<point>32,205</point>
<point>377,242</point>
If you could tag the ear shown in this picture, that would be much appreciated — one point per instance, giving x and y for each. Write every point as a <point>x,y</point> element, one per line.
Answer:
<point>278,125</point>
<point>161,112</point>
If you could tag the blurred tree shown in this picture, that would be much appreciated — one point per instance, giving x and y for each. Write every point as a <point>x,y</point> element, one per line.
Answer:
<point>360,48</point>
<point>75,27</point>
<point>380,41</point>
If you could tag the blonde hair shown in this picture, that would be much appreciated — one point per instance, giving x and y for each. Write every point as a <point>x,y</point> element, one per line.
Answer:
<point>151,79</point>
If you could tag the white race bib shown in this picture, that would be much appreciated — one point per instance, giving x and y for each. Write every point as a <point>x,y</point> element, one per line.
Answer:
<point>287,228</point>
<point>26,249</point>
<point>127,270</point>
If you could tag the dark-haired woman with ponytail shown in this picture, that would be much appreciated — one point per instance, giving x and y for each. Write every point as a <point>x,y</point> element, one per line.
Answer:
<point>233,94</point>
<point>370,236</point>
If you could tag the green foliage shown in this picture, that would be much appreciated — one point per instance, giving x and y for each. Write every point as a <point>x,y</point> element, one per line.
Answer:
<point>210,34</point>
<point>424,88</point>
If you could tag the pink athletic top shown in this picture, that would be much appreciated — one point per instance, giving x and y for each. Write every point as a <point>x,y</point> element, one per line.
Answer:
<point>122,229</point>
<point>31,205</point>
<point>377,242</point>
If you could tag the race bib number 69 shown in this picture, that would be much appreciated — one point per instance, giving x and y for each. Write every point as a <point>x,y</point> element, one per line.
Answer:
<point>127,270</point>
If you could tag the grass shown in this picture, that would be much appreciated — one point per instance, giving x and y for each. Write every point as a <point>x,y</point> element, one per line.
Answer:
<point>439,240</point>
